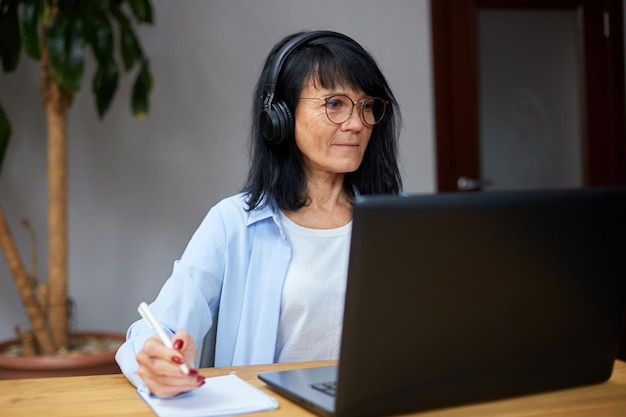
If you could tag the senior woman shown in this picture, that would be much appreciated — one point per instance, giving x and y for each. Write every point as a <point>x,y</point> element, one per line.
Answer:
<point>272,260</point>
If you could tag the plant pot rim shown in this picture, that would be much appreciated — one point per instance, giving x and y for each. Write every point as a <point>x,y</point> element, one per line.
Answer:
<point>55,362</point>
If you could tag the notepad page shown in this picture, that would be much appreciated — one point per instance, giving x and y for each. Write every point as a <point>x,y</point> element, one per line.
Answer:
<point>219,396</point>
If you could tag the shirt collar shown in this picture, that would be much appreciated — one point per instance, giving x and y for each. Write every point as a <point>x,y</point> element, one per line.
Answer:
<point>268,211</point>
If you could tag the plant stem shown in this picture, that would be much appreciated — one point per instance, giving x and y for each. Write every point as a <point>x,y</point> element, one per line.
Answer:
<point>32,308</point>
<point>57,214</point>
<point>56,103</point>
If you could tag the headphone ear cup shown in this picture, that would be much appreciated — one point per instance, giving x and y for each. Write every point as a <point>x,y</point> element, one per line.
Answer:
<point>277,123</point>
<point>286,121</point>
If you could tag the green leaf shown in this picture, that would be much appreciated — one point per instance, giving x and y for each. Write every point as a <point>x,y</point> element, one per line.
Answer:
<point>129,46</point>
<point>10,43</point>
<point>30,25</point>
<point>142,10</point>
<point>104,85</point>
<point>131,51</point>
<point>5,134</point>
<point>99,34</point>
<point>141,90</point>
<point>66,45</point>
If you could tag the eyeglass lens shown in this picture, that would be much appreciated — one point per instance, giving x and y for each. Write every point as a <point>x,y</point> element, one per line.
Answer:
<point>339,108</point>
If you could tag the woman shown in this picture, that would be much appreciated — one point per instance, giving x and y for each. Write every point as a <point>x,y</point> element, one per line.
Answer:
<point>273,259</point>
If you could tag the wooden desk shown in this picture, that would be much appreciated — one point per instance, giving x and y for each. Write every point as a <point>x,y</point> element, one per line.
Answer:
<point>112,395</point>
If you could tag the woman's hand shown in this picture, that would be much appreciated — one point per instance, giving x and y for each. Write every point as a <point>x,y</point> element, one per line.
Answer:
<point>159,366</point>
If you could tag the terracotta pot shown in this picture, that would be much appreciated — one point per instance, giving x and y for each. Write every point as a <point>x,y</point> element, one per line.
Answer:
<point>20,367</point>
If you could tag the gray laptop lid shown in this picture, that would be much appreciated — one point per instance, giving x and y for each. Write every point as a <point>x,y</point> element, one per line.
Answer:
<point>461,298</point>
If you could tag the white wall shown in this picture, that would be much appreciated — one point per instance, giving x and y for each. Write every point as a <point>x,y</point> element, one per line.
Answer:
<point>139,188</point>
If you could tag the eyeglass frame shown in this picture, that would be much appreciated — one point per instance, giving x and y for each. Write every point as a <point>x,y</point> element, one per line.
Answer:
<point>354,103</point>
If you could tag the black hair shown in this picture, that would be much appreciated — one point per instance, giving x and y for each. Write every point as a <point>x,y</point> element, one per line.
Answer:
<point>276,175</point>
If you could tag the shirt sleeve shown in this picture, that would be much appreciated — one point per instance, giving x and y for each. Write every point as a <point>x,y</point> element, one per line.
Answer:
<point>125,355</point>
<point>188,299</point>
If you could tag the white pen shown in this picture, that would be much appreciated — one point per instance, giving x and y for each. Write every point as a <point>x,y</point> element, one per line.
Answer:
<point>146,313</point>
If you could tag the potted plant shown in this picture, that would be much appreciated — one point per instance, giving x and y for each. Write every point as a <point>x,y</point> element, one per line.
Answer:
<point>58,33</point>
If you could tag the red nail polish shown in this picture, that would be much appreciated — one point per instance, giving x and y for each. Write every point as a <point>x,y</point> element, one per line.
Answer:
<point>193,372</point>
<point>200,379</point>
<point>177,360</point>
<point>178,344</point>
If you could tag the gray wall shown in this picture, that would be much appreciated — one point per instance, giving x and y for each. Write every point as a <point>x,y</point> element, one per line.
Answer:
<point>139,188</point>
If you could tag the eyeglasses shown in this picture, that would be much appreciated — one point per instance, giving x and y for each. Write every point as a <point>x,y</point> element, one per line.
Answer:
<point>339,108</point>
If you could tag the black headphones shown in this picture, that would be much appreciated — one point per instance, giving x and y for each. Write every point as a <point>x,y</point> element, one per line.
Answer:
<point>276,121</point>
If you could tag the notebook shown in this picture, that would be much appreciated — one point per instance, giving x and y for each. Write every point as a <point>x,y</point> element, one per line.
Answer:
<point>470,297</point>
<point>225,395</point>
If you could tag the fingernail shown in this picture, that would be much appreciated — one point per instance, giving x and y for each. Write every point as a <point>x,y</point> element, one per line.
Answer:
<point>178,344</point>
<point>177,360</point>
<point>200,380</point>
<point>193,372</point>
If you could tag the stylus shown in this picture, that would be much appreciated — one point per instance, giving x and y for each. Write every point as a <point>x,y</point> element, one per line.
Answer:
<point>147,315</point>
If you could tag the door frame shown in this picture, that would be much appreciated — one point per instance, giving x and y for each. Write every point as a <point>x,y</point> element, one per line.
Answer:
<point>456,91</point>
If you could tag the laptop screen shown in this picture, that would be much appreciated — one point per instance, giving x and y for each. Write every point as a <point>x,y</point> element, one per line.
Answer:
<point>465,297</point>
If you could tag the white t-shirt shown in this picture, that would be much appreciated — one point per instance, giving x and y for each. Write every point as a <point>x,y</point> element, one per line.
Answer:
<point>313,293</point>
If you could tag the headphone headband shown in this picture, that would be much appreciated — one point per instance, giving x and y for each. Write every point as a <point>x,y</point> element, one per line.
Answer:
<point>276,121</point>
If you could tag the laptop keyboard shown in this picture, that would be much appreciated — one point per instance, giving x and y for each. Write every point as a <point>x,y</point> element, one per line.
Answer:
<point>329,388</point>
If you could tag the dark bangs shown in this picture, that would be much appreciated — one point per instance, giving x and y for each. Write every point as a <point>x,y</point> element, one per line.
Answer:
<point>330,65</point>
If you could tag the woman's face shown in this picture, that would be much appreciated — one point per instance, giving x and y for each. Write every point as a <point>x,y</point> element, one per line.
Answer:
<point>328,147</point>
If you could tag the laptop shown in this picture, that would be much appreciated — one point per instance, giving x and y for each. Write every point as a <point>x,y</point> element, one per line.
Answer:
<point>469,297</point>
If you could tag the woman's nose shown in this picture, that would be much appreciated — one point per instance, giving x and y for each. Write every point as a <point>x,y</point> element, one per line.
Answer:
<point>354,122</point>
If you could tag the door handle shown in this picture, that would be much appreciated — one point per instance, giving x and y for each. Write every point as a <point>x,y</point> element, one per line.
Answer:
<point>470,184</point>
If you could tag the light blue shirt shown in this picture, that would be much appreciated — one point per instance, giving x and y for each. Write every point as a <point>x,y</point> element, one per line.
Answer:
<point>236,263</point>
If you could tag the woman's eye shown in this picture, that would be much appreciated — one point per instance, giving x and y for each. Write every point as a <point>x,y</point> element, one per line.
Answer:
<point>333,103</point>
